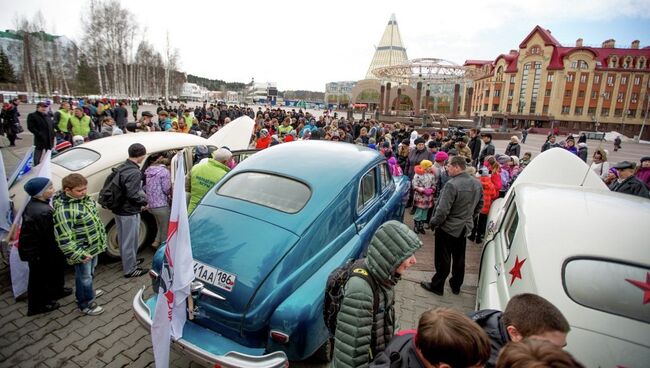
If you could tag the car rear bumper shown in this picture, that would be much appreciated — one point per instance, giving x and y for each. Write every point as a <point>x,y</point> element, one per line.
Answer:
<point>231,359</point>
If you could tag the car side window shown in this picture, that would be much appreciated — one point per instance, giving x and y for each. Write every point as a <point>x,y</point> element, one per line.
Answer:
<point>367,190</point>
<point>511,226</point>
<point>386,179</point>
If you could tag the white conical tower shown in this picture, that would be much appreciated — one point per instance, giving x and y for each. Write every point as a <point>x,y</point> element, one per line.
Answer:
<point>390,50</point>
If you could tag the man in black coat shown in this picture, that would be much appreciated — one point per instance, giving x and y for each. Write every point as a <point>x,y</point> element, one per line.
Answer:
<point>38,247</point>
<point>11,122</point>
<point>488,149</point>
<point>42,126</point>
<point>127,215</point>
<point>474,145</point>
<point>627,182</point>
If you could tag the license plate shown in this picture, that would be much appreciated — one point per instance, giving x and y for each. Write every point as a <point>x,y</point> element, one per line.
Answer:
<point>214,276</point>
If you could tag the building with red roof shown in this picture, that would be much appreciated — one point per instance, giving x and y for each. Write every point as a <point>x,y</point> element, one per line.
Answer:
<point>546,84</point>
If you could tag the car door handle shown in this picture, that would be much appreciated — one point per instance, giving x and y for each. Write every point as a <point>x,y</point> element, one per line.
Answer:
<point>361,225</point>
<point>497,268</point>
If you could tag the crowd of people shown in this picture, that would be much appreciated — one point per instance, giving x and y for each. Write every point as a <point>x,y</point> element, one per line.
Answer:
<point>454,179</point>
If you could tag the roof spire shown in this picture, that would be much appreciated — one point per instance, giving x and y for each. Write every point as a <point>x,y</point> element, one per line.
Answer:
<point>390,50</point>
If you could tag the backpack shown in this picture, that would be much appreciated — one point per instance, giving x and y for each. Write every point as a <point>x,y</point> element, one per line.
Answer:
<point>110,196</point>
<point>334,291</point>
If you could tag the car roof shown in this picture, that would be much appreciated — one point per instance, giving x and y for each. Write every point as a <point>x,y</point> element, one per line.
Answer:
<point>114,149</point>
<point>153,141</point>
<point>326,167</point>
<point>321,164</point>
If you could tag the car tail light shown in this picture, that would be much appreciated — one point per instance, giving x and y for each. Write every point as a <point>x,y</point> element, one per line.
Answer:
<point>279,336</point>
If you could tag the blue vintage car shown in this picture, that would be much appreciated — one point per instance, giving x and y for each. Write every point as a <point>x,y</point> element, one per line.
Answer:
<point>264,241</point>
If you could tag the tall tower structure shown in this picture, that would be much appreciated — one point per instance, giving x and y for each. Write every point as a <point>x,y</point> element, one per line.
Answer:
<point>390,50</point>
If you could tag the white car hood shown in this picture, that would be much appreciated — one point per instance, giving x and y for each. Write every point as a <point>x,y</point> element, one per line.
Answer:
<point>235,135</point>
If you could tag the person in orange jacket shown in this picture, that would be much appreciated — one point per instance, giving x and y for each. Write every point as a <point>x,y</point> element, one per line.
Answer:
<point>489,194</point>
<point>264,139</point>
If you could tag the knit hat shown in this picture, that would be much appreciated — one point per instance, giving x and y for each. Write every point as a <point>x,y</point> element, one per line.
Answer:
<point>502,159</point>
<point>441,156</point>
<point>425,164</point>
<point>222,155</point>
<point>264,132</point>
<point>645,158</point>
<point>484,171</point>
<point>418,141</point>
<point>36,186</point>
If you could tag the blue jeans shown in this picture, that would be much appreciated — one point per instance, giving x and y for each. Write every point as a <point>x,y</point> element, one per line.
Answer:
<point>83,279</point>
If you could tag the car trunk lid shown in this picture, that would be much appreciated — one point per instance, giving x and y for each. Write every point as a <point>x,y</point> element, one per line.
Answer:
<point>233,255</point>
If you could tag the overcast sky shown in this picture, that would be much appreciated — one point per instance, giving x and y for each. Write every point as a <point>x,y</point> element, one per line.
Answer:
<point>305,44</point>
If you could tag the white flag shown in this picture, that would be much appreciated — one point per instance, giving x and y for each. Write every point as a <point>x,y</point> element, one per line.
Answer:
<point>5,204</point>
<point>19,269</point>
<point>176,275</point>
<point>23,167</point>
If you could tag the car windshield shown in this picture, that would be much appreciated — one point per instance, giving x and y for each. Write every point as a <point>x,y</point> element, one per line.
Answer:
<point>76,159</point>
<point>277,192</point>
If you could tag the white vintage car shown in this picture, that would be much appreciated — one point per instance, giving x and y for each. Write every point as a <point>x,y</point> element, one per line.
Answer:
<point>561,234</point>
<point>95,159</point>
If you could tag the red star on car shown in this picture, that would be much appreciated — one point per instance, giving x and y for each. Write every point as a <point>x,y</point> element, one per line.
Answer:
<point>516,270</point>
<point>645,286</point>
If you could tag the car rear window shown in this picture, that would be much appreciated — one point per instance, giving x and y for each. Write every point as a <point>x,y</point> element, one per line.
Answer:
<point>609,286</point>
<point>76,159</point>
<point>274,191</point>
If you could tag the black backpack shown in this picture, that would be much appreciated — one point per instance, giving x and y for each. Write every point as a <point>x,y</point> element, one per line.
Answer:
<point>334,291</point>
<point>110,196</point>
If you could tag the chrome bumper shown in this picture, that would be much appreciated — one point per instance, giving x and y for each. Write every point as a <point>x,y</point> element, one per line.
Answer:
<point>231,359</point>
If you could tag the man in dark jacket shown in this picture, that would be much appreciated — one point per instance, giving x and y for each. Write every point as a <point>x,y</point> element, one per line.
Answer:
<point>627,182</point>
<point>445,337</point>
<point>488,149</point>
<point>525,316</point>
<point>474,145</point>
<point>127,215</point>
<point>11,122</point>
<point>42,126</point>
<point>38,247</point>
<point>459,204</point>
<point>120,114</point>
<point>390,253</point>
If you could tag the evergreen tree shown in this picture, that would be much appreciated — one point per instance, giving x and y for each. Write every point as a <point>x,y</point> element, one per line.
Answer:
<point>7,74</point>
<point>86,81</point>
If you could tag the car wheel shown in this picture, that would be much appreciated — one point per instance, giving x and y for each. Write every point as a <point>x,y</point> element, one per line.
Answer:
<point>324,353</point>
<point>147,233</point>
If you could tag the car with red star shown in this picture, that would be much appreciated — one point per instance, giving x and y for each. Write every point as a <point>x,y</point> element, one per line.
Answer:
<point>561,234</point>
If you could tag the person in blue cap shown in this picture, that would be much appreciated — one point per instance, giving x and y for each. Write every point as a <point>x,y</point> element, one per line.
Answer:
<point>38,247</point>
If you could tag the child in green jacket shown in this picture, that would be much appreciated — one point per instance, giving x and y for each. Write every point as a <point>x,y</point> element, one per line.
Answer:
<point>81,236</point>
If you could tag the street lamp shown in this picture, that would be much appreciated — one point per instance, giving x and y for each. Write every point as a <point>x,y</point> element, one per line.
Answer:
<point>647,105</point>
